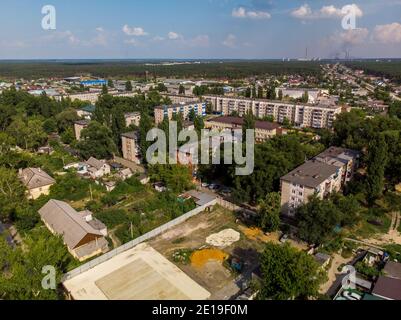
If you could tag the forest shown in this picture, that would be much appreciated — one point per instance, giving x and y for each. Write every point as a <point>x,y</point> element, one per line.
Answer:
<point>389,69</point>
<point>224,69</point>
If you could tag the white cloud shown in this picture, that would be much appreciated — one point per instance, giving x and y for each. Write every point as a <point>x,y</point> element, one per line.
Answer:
<point>388,33</point>
<point>230,41</point>
<point>350,38</point>
<point>61,36</point>
<point>243,13</point>
<point>200,41</point>
<point>99,29</point>
<point>132,42</point>
<point>174,36</point>
<point>158,38</point>
<point>326,12</point>
<point>134,31</point>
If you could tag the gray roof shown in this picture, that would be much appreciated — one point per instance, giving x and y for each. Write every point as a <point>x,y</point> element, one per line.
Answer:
<point>201,198</point>
<point>393,270</point>
<point>311,174</point>
<point>337,156</point>
<point>35,178</point>
<point>130,135</point>
<point>95,163</point>
<point>65,221</point>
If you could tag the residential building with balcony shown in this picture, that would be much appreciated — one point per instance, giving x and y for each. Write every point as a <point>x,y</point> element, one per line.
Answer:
<point>169,111</point>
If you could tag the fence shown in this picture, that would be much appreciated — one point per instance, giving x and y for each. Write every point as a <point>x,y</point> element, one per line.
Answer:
<point>233,207</point>
<point>107,256</point>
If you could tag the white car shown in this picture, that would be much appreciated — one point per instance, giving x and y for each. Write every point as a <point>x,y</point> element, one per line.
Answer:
<point>351,295</point>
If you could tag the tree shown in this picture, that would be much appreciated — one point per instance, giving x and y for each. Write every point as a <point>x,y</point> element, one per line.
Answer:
<point>305,97</point>
<point>50,125</point>
<point>161,87</point>
<point>105,89</point>
<point>260,92</point>
<point>317,220</point>
<point>96,141</point>
<point>269,212</point>
<point>192,115</point>
<point>177,178</point>
<point>110,83</point>
<point>66,119</point>
<point>199,123</point>
<point>280,94</point>
<point>12,192</point>
<point>254,92</point>
<point>377,160</point>
<point>128,86</point>
<point>28,134</point>
<point>24,267</point>
<point>248,92</point>
<point>181,90</point>
<point>145,125</point>
<point>6,142</point>
<point>289,274</point>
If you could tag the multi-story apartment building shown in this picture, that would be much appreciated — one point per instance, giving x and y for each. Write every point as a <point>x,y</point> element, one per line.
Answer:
<point>132,118</point>
<point>313,177</point>
<point>79,126</point>
<point>162,112</point>
<point>264,130</point>
<point>180,98</point>
<point>130,146</point>
<point>302,115</point>
<point>328,172</point>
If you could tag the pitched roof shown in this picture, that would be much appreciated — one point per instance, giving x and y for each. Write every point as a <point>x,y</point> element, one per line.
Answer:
<point>35,178</point>
<point>311,174</point>
<point>388,288</point>
<point>95,163</point>
<point>65,221</point>
<point>393,270</point>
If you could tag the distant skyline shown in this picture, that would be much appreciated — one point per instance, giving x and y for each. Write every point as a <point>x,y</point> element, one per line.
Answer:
<point>199,29</point>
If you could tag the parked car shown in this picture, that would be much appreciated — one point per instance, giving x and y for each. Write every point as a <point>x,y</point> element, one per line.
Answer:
<point>226,191</point>
<point>214,187</point>
<point>351,295</point>
<point>284,238</point>
<point>205,185</point>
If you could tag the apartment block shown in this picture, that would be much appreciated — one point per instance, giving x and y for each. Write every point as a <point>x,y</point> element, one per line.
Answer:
<point>79,126</point>
<point>130,147</point>
<point>180,98</point>
<point>163,112</point>
<point>302,115</point>
<point>264,130</point>
<point>132,118</point>
<point>328,172</point>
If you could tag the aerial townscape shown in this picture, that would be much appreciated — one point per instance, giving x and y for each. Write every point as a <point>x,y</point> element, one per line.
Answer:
<point>318,217</point>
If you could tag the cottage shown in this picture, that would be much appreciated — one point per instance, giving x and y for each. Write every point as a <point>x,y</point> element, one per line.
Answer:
<point>97,168</point>
<point>36,181</point>
<point>83,235</point>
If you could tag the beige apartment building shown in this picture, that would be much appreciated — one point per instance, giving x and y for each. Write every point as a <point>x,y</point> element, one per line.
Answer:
<point>328,172</point>
<point>132,118</point>
<point>264,130</point>
<point>180,98</point>
<point>130,147</point>
<point>302,115</point>
<point>162,112</point>
<point>79,126</point>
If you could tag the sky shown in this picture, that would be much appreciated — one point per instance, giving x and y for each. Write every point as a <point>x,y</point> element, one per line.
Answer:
<point>200,29</point>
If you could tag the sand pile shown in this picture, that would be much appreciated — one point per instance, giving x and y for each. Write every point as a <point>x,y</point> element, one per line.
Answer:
<point>201,257</point>
<point>224,238</point>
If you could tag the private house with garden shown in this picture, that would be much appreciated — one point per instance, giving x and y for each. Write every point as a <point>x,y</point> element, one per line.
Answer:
<point>36,181</point>
<point>83,235</point>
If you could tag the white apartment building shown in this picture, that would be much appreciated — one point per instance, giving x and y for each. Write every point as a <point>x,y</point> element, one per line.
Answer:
<point>302,115</point>
<point>162,112</point>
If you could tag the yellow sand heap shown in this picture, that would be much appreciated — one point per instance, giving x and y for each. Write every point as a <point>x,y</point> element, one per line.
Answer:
<point>201,257</point>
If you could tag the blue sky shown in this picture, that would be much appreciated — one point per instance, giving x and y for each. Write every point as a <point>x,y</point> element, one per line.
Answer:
<point>199,29</point>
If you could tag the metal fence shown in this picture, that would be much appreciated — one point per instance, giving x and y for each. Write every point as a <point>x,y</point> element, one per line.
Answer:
<point>107,256</point>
